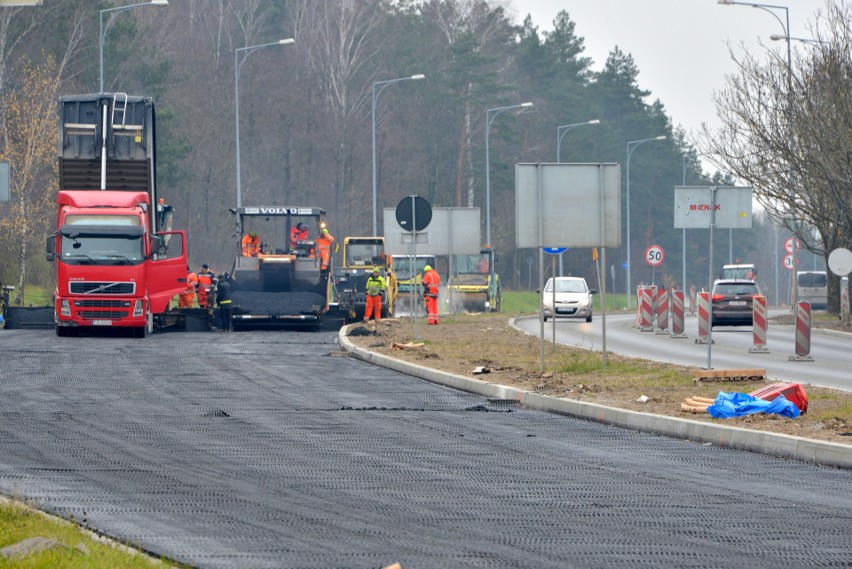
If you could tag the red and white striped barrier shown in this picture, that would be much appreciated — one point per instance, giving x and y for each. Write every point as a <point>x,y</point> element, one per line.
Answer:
<point>803,333</point>
<point>639,305</point>
<point>759,324</point>
<point>703,318</point>
<point>663,312</point>
<point>646,323</point>
<point>677,314</point>
<point>692,299</point>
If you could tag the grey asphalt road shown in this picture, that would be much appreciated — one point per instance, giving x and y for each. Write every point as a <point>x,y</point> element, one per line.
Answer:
<point>268,449</point>
<point>730,349</point>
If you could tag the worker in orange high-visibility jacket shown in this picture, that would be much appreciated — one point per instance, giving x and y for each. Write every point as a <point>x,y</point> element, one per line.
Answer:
<point>251,245</point>
<point>187,297</point>
<point>431,281</point>
<point>298,234</point>
<point>206,280</point>
<point>324,242</point>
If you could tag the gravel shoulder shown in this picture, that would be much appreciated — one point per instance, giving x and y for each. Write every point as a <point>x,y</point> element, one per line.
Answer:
<point>469,343</point>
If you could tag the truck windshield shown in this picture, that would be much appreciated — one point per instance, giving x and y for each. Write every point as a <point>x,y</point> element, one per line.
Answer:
<point>364,254</point>
<point>469,264</point>
<point>102,250</point>
<point>402,265</point>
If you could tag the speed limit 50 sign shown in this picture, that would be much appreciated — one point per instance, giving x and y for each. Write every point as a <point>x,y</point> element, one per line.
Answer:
<point>654,255</point>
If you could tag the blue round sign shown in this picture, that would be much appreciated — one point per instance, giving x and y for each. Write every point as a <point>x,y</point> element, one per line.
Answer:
<point>555,250</point>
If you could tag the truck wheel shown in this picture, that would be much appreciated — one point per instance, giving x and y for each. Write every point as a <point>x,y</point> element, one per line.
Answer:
<point>62,331</point>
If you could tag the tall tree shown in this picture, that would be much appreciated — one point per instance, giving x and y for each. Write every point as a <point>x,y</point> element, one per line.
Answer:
<point>31,153</point>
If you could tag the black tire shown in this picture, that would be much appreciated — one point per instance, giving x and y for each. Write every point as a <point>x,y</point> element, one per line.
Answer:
<point>62,331</point>
<point>589,318</point>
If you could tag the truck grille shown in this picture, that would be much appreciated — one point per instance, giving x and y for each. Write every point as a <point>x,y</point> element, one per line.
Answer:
<point>81,287</point>
<point>103,314</point>
<point>102,303</point>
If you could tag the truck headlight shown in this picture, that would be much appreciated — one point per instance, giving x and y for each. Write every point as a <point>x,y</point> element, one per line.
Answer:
<point>65,308</point>
<point>137,308</point>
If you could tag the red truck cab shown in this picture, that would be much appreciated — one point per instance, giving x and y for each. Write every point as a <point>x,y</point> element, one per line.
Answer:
<point>111,272</point>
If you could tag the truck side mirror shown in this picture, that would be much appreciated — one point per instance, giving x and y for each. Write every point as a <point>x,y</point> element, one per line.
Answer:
<point>50,251</point>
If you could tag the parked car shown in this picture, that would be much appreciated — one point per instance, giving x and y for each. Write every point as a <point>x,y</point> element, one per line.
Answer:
<point>733,302</point>
<point>573,298</point>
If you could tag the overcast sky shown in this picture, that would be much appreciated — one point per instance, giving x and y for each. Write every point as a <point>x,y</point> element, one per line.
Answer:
<point>679,46</point>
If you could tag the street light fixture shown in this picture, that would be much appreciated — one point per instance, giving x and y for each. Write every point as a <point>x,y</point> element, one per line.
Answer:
<point>382,85</point>
<point>768,8</point>
<point>777,37</point>
<point>488,120</point>
<point>238,63</point>
<point>561,131</point>
<point>631,146</point>
<point>103,29</point>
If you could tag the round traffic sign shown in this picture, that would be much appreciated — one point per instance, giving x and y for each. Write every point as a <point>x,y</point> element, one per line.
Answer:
<point>654,255</point>
<point>840,262</point>
<point>788,245</point>
<point>788,262</point>
<point>414,213</point>
<point>555,250</point>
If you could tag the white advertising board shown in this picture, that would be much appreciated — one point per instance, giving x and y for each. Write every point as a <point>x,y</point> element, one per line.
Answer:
<point>579,205</point>
<point>452,231</point>
<point>693,207</point>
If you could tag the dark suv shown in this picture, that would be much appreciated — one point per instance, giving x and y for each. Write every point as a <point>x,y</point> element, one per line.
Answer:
<point>733,302</point>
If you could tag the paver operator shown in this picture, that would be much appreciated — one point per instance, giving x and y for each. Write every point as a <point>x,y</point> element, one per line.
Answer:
<point>251,245</point>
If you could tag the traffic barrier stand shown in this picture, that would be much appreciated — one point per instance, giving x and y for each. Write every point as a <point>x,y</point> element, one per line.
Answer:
<point>692,300</point>
<point>639,290</point>
<point>803,333</point>
<point>653,289</point>
<point>645,314</point>
<point>677,315</point>
<point>759,324</point>
<point>703,318</point>
<point>663,312</point>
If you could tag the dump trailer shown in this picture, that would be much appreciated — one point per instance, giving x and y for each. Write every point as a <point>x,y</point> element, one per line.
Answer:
<point>474,284</point>
<point>409,271</point>
<point>361,255</point>
<point>283,285</point>
<point>118,264</point>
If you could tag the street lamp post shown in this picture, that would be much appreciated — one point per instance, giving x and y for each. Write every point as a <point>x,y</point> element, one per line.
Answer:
<point>561,131</point>
<point>631,146</point>
<point>488,120</point>
<point>768,8</point>
<point>103,29</point>
<point>238,63</point>
<point>382,85</point>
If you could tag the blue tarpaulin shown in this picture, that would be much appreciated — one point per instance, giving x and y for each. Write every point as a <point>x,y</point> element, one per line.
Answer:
<point>729,405</point>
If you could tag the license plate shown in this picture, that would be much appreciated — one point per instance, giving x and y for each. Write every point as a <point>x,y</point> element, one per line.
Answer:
<point>566,310</point>
<point>737,303</point>
<point>101,322</point>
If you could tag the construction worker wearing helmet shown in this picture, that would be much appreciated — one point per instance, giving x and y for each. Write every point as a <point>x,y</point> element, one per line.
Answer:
<point>324,242</point>
<point>375,289</point>
<point>431,282</point>
<point>251,245</point>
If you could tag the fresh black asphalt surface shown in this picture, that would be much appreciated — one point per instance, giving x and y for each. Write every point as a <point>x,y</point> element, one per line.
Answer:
<point>270,449</point>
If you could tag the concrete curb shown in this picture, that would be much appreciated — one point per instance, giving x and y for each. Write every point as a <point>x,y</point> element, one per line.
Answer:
<point>773,444</point>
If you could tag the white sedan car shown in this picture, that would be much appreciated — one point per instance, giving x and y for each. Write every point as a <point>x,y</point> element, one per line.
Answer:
<point>571,299</point>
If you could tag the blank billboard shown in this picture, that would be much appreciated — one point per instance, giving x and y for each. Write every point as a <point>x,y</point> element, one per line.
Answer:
<point>579,205</point>
<point>452,231</point>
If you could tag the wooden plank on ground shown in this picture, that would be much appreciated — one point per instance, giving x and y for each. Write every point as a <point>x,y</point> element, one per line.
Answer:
<point>730,375</point>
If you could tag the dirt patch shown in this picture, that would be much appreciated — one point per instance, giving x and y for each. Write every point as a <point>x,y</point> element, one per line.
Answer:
<point>465,344</point>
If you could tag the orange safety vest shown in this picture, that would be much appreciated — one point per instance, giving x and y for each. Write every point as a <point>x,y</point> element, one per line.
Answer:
<point>297,235</point>
<point>431,281</point>
<point>191,283</point>
<point>324,245</point>
<point>205,283</point>
<point>251,247</point>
